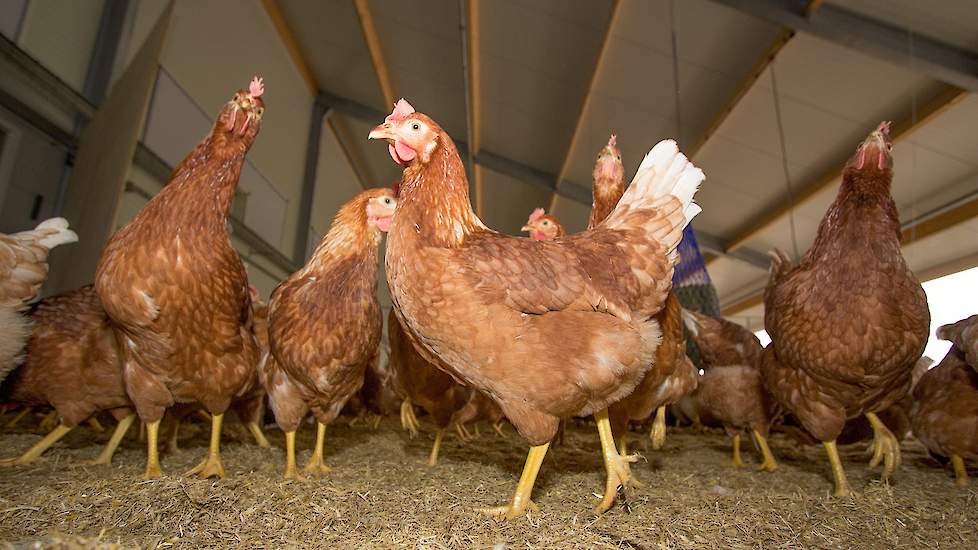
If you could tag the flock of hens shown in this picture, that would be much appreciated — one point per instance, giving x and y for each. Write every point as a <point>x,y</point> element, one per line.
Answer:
<point>485,326</point>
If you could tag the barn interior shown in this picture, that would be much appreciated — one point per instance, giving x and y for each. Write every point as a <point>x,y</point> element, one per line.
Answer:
<point>102,99</point>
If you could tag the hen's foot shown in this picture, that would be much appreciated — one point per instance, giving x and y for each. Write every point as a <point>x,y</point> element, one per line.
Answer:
<point>885,447</point>
<point>737,462</point>
<point>316,466</point>
<point>153,469</point>
<point>433,457</point>
<point>498,427</point>
<point>211,466</point>
<point>409,422</point>
<point>619,476</point>
<point>38,449</point>
<point>842,488</point>
<point>463,433</point>
<point>521,502</point>
<point>105,457</point>
<point>770,464</point>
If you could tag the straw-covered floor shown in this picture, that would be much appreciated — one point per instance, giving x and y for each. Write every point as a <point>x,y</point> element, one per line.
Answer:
<point>382,494</point>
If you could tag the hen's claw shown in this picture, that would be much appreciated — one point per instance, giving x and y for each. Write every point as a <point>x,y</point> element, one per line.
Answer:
<point>211,466</point>
<point>885,447</point>
<point>508,511</point>
<point>658,434</point>
<point>619,475</point>
<point>409,421</point>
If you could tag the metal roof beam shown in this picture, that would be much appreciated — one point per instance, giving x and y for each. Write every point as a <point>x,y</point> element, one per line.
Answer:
<point>876,38</point>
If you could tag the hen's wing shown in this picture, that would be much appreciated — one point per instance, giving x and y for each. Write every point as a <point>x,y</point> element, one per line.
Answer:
<point>24,260</point>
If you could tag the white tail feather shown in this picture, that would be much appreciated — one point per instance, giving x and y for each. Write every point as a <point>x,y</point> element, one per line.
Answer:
<point>59,233</point>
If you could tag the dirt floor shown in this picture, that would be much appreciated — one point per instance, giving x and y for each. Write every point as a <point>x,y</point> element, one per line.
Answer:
<point>381,494</point>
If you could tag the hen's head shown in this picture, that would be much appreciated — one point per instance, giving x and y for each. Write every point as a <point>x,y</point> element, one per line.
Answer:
<point>874,154</point>
<point>542,226</point>
<point>379,205</point>
<point>608,167</point>
<point>240,119</point>
<point>410,135</point>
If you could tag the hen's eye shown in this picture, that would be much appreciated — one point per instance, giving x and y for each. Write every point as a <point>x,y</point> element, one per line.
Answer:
<point>260,111</point>
<point>415,126</point>
<point>237,97</point>
<point>545,222</point>
<point>387,201</point>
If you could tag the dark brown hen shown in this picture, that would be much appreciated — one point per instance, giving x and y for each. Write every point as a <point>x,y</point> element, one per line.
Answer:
<point>177,290</point>
<point>730,389</point>
<point>850,320</point>
<point>548,329</point>
<point>945,411</point>
<point>324,324</point>
<point>73,364</point>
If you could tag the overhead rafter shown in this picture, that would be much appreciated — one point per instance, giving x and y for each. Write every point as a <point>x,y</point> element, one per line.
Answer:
<point>565,165</point>
<point>472,67</point>
<point>376,51</point>
<point>772,51</point>
<point>881,40</point>
<point>291,44</point>
<point>900,129</point>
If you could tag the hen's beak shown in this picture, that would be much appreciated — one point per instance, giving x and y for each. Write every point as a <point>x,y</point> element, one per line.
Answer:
<point>526,228</point>
<point>384,131</point>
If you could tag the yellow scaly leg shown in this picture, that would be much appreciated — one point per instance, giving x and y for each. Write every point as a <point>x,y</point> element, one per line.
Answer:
<point>524,489</point>
<point>433,457</point>
<point>737,463</point>
<point>885,446</point>
<point>17,418</point>
<point>290,472</point>
<point>259,436</point>
<point>842,488</point>
<point>35,452</point>
<point>658,434</point>
<point>616,465</point>
<point>105,457</point>
<point>960,472</point>
<point>316,464</point>
<point>409,421</point>
<point>152,453</point>
<point>211,466</point>
<point>769,464</point>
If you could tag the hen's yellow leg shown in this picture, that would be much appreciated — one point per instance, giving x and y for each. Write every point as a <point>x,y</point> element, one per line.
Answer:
<point>770,464</point>
<point>886,447</point>
<point>105,457</point>
<point>616,466</point>
<point>259,436</point>
<point>409,421</point>
<point>290,472</point>
<point>35,452</point>
<point>49,422</point>
<point>211,466</point>
<point>498,427</point>
<point>960,472</point>
<point>152,453</point>
<point>737,463</point>
<point>623,443</point>
<point>316,465</point>
<point>95,424</point>
<point>172,442</point>
<point>658,434</point>
<point>524,489</point>
<point>13,422</point>
<point>433,457</point>
<point>842,488</point>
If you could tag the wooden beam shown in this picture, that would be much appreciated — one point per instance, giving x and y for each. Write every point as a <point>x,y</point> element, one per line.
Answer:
<point>355,162</point>
<point>960,213</point>
<point>941,101</point>
<point>812,7</point>
<point>376,51</point>
<point>473,87</point>
<point>753,300</point>
<point>291,44</point>
<point>772,51</point>
<point>578,127</point>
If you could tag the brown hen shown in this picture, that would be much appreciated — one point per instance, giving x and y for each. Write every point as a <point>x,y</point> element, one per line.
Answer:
<point>73,364</point>
<point>730,389</point>
<point>548,329</point>
<point>964,335</point>
<point>424,384</point>
<point>542,226</point>
<point>324,324</point>
<point>177,290</point>
<point>945,411</point>
<point>848,323</point>
<point>23,269</point>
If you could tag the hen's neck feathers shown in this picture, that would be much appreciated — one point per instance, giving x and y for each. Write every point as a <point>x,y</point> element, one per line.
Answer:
<point>863,206</point>
<point>207,179</point>
<point>434,199</point>
<point>348,237</point>
<point>606,193</point>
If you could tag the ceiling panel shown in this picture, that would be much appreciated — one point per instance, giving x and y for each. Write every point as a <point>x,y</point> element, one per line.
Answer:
<point>572,214</point>
<point>508,202</point>
<point>954,23</point>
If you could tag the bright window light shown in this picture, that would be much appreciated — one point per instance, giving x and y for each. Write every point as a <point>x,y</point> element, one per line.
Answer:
<point>951,299</point>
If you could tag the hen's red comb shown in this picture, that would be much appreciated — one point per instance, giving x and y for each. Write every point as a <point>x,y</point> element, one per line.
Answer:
<point>257,87</point>
<point>402,109</point>
<point>613,141</point>
<point>536,214</point>
<point>884,128</point>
